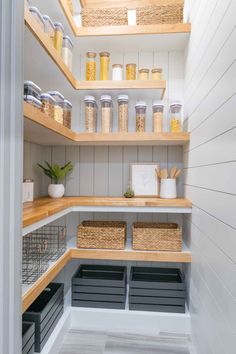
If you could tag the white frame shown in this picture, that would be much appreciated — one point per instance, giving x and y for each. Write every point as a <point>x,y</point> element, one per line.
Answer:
<point>152,190</point>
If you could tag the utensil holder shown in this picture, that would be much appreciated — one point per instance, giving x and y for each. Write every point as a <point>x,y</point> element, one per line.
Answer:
<point>168,188</point>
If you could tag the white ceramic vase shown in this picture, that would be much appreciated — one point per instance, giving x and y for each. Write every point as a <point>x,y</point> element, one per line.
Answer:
<point>56,190</point>
<point>168,188</point>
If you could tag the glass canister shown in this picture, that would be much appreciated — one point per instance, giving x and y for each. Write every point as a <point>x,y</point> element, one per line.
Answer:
<point>106,113</point>
<point>67,110</point>
<point>91,66</point>
<point>67,48</point>
<point>104,65</point>
<point>58,37</point>
<point>131,71</point>
<point>58,107</point>
<point>90,114</point>
<point>157,116</point>
<point>37,15</point>
<point>48,104</point>
<point>117,72</point>
<point>70,5</point>
<point>49,27</point>
<point>31,89</point>
<point>157,74</point>
<point>140,109</point>
<point>33,101</point>
<point>143,74</point>
<point>123,113</point>
<point>175,117</point>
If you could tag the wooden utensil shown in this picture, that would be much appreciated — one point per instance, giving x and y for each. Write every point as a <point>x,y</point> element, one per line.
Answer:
<point>173,172</point>
<point>177,173</point>
<point>164,173</point>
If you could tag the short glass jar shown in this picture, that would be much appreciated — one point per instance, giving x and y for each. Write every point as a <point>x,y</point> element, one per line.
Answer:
<point>123,113</point>
<point>91,66</point>
<point>33,101</point>
<point>67,48</point>
<point>117,72</point>
<point>143,74</point>
<point>49,27</point>
<point>140,109</point>
<point>175,117</point>
<point>58,107</point>
<point>106,114</point>
<point>31,89</point>
<point>131,71</point>
<point>37,15</point>
<point>157,74</point>
<point>48,104</point>
<point>67,111</point>
<point>58,37</point>
<point>157,116</point>
<point>90,114</point>
<point>104,65</point>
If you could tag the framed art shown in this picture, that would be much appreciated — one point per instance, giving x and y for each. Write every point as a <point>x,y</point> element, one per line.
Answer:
<point>144,180</point>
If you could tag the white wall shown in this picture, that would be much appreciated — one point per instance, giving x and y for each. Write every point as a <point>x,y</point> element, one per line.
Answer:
<point>210,167</point>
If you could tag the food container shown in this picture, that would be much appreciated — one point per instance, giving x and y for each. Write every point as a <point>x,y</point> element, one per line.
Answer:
<point>33,101</point>
<point>91,66</point>
<point>58,37</point>
<point>58,108</point>
<point>104,65</point>
<point>49,27</point>
<point>123,114</point>
<point>140,108</point>
<point>28,190</point>
<point>157,116</point>
<point>67,48</point>
<point>48,104</point>
<point>157,74</point>
<point>131,71</point>
<point>90,114</point>
<point>175,117</point>
<point>106,113</point>
<point>70,5</point>
<point>37,15</point>
<point>117,72</point>
<point>67,110</point>
<point>31,89</point>
<point>143,74</point>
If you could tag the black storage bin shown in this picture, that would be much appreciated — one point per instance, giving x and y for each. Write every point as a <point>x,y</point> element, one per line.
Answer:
<point>99,286</point>
<point>45,312</point>
<point>157,289</point>
<point>28,330</point>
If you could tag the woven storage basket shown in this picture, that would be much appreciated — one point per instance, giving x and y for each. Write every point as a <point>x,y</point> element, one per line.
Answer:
<point>102,234</point>
<point>153,15</point>
<point>157,237</point>
<point>104,17</point>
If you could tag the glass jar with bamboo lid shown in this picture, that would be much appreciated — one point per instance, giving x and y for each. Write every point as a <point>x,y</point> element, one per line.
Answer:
<point>91,66</point>
<point>157,74</point>
<point>143,74</point>
<point>157,116</point>
<point>131,71</point>
<point>104,65</point>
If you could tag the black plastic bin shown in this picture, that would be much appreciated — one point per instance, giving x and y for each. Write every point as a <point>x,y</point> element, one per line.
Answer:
<point>45,312</point>
<point>28,330</point>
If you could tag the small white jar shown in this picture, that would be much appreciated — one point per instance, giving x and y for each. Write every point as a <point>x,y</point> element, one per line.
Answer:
<point>117,72</point>
<point>56,190</point>
<point>168,188</point>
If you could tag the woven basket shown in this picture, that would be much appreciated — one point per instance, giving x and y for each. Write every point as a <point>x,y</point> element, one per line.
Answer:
<point>157,237</point>
<point>153,15</point>
<point>104,17</point>
<point>102,234</point>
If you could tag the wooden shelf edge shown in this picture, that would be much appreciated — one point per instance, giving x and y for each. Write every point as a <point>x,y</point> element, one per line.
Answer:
<point>122,84</point>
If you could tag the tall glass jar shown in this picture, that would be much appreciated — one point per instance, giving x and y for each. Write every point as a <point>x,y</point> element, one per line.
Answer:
<point>175,117</point>
<point>106,113</point>
<point>131,71</point>
<point>58,37</point>
<point>143,74</point>
<point>123,113</point>
<point>90,114</point>
<point>117,72</point>
<point>58,107</point>
<point>157,74</point>
<point>157,116</point>
<point>49,27</point>
<point>67,48</point>
<point>91,66</point>
<point>140,108</point>
<point>37,15</point>
<point>67,111</point>
<point>104,65</point>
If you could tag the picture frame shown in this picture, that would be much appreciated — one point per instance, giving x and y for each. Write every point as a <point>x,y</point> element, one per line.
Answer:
<point>144,180</point>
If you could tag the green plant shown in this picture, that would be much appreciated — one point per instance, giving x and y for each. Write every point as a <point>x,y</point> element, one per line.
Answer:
<point>55,172</point>
<point>129,193</point>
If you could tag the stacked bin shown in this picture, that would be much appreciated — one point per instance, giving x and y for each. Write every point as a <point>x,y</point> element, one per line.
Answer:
<point>28,329</point>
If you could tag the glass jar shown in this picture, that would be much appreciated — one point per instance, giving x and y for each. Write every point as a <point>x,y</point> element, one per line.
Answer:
<point>104,65</point>
<point>123,113</point>
<point>131,71</point>
<point>70,5</point>
<point>67,110</point>
<point>106,113</point>
<point>58,107</point>
<point>90,114</point>
<point>143,74</point>
<point>33,101</point>
<point>117,72</point>
<point>37,15</point>
<point>48,104</point>
<point>31,89</point>
<point>67,48</point>
<point>49,27</point>
<point>91,66</point>
<point>175,117</point>
<point>157,116</point>
<point>58,37</point>
<point>157,74</point>
<point>140,108</point>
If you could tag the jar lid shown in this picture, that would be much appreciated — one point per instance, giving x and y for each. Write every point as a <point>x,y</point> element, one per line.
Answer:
<point>28,180</point>
<point>176,103</point>
<point>117,66</point>
<point>32,84</point>
<point>68,39</point>
<point>56,93</point>
<point>140,104</point>
<point>123,98</point>
<point>104,54</point>
<point>144,71</point>
<point>47,18</point>
<point>68,103</point>
<point>91,54</point>
<point>106,98</point>
<point>36,10</point>
<point>89,99</point>
<point>32,99</point>
<point>47,96</point>
<point>157,70</point>
<point>133,64</point>
<point>158,104</point>
<point>59,25</point>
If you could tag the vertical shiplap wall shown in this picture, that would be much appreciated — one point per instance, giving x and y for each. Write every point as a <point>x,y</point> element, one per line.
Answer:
<point>210,167</point>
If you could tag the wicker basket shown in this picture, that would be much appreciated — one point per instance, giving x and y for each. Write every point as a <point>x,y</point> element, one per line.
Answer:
<point>104,17</point>
<point>102,234</point>
<point>153,15</point>
<point>157,237</point>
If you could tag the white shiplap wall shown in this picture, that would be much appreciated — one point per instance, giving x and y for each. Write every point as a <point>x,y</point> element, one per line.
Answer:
<point>210,167</point>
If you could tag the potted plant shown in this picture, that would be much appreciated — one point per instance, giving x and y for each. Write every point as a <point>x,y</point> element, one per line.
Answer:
<point>56,174</point>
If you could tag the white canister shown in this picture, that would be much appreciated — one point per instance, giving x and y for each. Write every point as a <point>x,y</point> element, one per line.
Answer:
<point>117,72</point>
<point>28,190</point>
<point>168,188</point>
